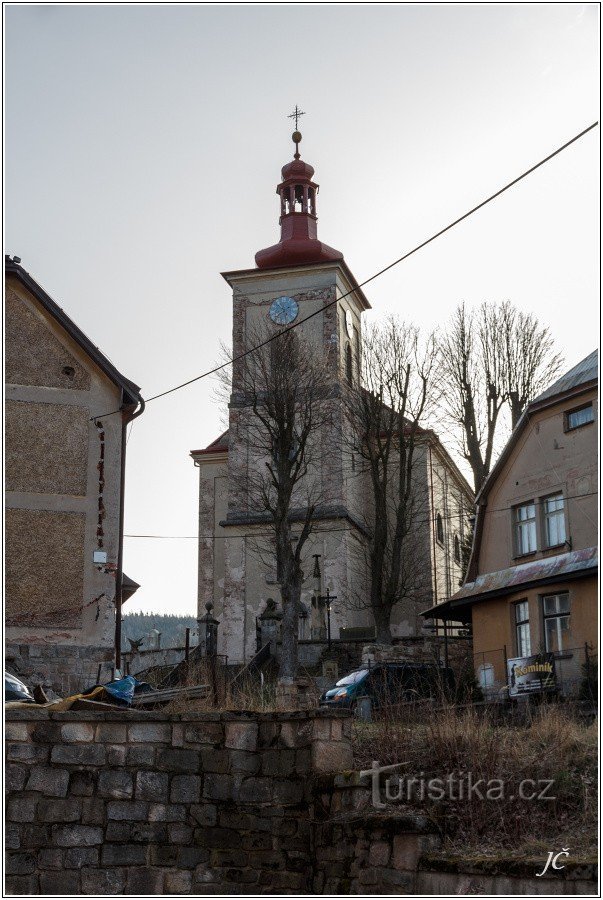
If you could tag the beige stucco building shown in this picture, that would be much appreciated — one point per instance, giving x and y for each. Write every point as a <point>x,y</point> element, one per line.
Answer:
<point>531,584</point>
<point>306,281</point>
<point>65,465</point>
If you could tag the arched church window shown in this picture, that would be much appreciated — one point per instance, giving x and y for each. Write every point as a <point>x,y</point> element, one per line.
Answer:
<point>439,529</point>
<point>357,349</point>
<point>349,366</point>
<point>457,549</point>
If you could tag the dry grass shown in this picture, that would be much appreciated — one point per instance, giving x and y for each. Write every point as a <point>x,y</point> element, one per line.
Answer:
<point>246,694</point>
<point>554,745</point>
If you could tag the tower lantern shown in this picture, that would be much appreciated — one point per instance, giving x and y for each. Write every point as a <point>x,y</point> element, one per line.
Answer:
<point>299,242</point>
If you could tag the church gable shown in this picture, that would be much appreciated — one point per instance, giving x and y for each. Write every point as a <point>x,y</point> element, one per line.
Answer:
<point>34,355</point>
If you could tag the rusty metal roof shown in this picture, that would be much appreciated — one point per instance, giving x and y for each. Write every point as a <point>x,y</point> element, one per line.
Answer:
<point>576,563</point>
<point>562,564</point>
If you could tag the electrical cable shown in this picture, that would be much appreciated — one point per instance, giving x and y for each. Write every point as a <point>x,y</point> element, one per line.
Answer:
<point>256,534</point>
<point>368,280</point>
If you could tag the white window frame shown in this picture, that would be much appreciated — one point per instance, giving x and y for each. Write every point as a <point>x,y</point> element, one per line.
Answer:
<point>523,638</point>
<point>556,616</point>
<point>556,515</point>
<point>525,526</point>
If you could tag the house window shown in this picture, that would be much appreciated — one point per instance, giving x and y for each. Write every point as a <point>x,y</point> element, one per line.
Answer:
<point>576,418</point>
<point>457,549</point>
<point>554,520</point>
<point>522,628</point>
<point>525,528</point>
<point>556,614</point>
<point>439,529</point>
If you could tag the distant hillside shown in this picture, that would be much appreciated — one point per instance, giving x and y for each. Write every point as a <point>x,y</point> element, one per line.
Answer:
<point>139,625</point>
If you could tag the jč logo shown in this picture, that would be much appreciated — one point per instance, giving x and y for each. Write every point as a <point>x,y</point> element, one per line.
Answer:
<point>552,860</point>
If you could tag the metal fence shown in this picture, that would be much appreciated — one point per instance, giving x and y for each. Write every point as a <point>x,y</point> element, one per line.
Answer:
<point>575,672</point>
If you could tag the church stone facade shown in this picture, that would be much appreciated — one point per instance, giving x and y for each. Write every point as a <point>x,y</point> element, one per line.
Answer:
<point>303,275</point>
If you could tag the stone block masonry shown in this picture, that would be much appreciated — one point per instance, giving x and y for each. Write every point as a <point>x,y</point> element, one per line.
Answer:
<point>128,802</point>
<point>146,803</point>
<point>64,668</point>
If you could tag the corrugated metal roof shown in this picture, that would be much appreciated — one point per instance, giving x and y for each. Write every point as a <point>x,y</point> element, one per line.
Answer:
<point>586,370</point>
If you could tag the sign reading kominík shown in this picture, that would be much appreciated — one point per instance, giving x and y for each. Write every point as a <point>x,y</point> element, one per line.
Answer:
<point>531,674</point>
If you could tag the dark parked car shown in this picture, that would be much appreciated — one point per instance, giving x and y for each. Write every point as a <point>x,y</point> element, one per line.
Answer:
<point>14,689</point>
<point>390,683</point>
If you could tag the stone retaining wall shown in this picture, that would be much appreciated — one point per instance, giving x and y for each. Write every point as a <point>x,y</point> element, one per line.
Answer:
<point>400,854</point>
<point>360,850</point>
<point>65,669</point>
<point>131,802</point>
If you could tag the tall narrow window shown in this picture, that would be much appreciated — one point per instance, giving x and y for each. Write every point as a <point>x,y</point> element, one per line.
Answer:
<point>522,628</point>
<point>554,520</point>
<point>349,367</point>
<point>440,529</point>
<point>457,550</point>
<point>525,528</point>
<point>556,615</point>
<point>357,350</point>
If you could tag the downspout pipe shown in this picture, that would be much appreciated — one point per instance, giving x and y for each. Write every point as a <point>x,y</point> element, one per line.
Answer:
<point>432,528</point>
<point>128,414</point>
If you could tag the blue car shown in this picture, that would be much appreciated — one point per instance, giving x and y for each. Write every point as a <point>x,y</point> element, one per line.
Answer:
<point>389,683</point>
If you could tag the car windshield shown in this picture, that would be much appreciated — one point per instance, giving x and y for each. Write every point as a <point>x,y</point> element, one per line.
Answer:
<point>352,678</point>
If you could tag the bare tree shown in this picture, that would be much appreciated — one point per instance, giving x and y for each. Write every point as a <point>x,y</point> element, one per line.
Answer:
<point>282,391</point>
<point>491,359</point>
<point>531,363</point>
<point>385,412</point>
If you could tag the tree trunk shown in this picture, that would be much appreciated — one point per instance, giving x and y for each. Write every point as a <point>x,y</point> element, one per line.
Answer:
<point>516,407</point>
<point>290,596</point>
<point>382,617</point>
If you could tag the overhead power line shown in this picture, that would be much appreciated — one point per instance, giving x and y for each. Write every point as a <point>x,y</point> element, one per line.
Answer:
<point>257,534</point>
<point>391,265</point>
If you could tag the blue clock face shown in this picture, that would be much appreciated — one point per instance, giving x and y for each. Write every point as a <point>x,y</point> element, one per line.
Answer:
<point>284,310</point>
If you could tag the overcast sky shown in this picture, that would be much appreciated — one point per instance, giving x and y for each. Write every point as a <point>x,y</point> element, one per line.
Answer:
<point>144,143</point>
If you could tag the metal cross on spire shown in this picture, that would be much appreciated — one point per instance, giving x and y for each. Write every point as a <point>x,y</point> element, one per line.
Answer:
<point>296,114</point>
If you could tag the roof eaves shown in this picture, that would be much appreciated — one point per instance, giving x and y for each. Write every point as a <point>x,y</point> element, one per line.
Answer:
<point>356,288</point>
<point>131,390</point>
<point>536,405</point>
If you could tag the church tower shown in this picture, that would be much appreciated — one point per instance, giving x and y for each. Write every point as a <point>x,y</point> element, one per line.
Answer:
<point>296,279</point>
